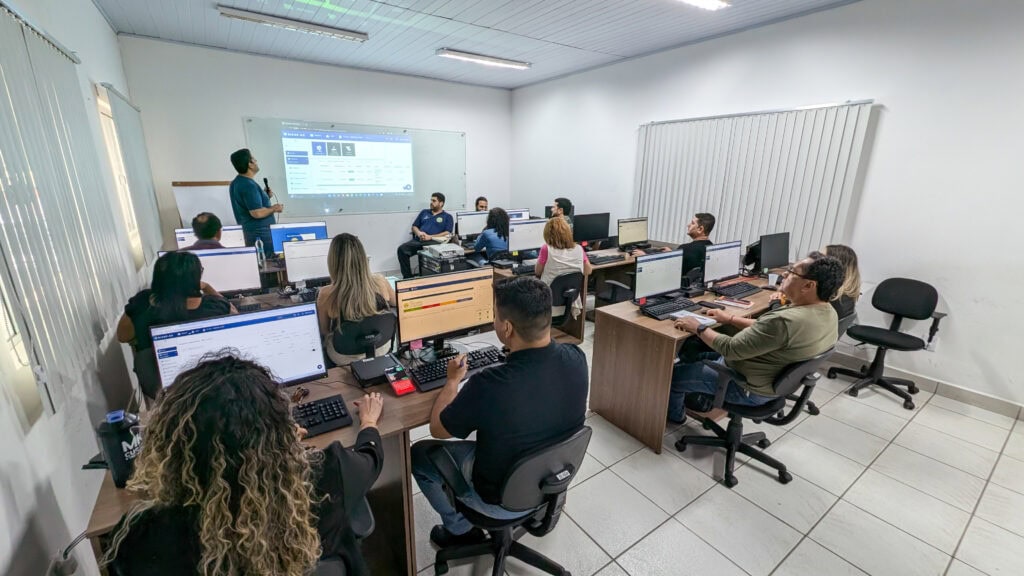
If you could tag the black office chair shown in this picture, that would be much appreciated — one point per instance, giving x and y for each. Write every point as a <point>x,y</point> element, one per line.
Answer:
<point>145,368</point>
<point>366,335</point>
<point>844,324</point>
<point>565,289</point>
<point>537,483</point>
<point>788,382</point>
<point>903,298</point>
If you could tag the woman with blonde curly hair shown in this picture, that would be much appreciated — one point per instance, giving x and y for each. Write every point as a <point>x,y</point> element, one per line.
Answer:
<point>226,487</point>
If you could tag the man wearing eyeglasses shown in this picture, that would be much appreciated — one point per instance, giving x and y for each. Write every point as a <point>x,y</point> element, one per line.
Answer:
<point>762,348</point>
<point>251,203</point>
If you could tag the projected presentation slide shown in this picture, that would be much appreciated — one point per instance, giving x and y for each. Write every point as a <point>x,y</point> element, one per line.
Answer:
<point>335,164</point>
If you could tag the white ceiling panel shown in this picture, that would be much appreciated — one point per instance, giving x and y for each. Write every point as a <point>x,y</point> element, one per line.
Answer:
<point>557,37</point>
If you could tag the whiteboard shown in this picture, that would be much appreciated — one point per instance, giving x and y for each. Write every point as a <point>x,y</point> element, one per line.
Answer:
<point>196,197</point>
<point>438,157</point>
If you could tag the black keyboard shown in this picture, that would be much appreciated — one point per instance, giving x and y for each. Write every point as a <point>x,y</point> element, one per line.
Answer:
<point>738,290</point>
<point>664,310</point>
<point>524,269</point>
<point>433,375</point>
<point>251,307</point>
<point>595,260</point>
<point>317,282</point>
<point>324,415</point>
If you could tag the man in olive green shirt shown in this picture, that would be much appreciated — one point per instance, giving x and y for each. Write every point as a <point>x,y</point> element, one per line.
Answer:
<point>802,329</point>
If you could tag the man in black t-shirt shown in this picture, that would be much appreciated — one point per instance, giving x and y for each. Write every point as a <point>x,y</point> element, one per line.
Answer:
<point>698,229</point>
<point>537,398</point>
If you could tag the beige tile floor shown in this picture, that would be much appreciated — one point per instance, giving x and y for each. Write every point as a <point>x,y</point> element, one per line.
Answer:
<point>877,490</point>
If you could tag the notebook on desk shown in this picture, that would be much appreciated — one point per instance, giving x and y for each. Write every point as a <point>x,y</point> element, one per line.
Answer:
<point>704,320</point>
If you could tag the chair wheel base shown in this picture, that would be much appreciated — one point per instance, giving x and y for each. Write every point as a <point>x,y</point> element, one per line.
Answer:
<point>764,443</point>
<point>831,374</point>
<point>730,481</point>
<point>812,409</point>
<point>785,477</point>
<point>913,389</point>
<point>681,445</point>
<point>440,568</point>
<point>853,392</point>
<point>909,405</point>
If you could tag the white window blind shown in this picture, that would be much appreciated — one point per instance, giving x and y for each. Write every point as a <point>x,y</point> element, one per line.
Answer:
<point>797,171</point>
<point>61,248</point>
<point>132,146</point>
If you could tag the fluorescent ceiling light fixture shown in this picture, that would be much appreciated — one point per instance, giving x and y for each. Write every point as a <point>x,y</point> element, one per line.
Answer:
<point>481,59</point>
<point>707,4</point>
<point>295,25</point>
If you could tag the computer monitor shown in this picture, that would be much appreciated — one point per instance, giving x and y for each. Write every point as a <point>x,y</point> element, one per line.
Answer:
<point>722,261</point>
<point>470,223</point>
<point>296,231</point>
<point>632,231</point>
<point>286,341</point>
<point>518,214</point>
<point>229,269</point>
<point>589,227</point>
<point>775,250</point>
<point>525,235</point>
<point>658,273</point>
<point>441,305</point>
<point>230,237</point>
<point>306,260</point>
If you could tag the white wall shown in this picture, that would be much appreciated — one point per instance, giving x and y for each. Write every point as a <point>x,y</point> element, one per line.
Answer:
<point>193,100</point>
<point>941,199</point>
<point>45,498</point>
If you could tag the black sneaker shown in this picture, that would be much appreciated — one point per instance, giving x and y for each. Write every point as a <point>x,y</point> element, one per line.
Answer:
<point>443,538</point>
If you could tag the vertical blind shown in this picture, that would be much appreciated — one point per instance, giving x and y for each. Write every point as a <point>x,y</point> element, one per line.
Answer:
<point>128,123</point>
<point>61,247</point>
<point>760,173</point>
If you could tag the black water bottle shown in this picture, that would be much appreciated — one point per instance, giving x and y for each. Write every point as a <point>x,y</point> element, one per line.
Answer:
<point>120,442</point>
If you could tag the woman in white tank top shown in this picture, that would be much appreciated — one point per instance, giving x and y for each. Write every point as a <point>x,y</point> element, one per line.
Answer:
<point>560,255</point>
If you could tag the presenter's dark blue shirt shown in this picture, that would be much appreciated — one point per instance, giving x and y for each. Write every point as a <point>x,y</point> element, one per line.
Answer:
<point>247,195</point>
<point>432,224</point>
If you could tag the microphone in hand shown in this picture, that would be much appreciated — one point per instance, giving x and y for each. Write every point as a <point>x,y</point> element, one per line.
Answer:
<point>266,187</point>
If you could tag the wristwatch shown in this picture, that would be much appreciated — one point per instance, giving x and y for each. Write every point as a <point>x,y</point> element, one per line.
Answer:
<point>702,328</point>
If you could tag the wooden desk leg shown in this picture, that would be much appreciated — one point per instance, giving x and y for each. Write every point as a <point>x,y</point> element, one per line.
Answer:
<point>391,549</point>
<point>630,378</point>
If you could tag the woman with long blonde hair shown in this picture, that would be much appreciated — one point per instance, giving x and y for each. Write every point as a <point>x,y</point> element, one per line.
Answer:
<point>226,488</point>
<point>353,294</point>
<point>560,255</point>
<point>846,298</point>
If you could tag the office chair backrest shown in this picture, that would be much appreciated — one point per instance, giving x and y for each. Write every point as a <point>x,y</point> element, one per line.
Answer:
<point>565,289</point>
<point>846,321</point>
<point>792,377</point>
<point>905,297</point>
<point>544,473</point>
<point>366,335</point>
<point>149,374</point>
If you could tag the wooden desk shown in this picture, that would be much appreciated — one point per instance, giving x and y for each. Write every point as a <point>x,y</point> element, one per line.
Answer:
<point>391,549</point>
<point>632,365</point>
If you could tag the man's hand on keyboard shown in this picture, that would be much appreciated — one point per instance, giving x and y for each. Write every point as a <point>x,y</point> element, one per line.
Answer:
<point>457,368</point>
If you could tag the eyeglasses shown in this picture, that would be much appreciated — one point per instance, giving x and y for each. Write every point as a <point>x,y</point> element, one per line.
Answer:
<point>792,270</point>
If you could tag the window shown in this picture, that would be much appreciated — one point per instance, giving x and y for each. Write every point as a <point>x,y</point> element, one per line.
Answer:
<point>120,177</point>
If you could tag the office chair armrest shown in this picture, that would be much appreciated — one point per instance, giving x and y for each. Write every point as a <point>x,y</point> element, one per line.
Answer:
<point>450,471</point>
<point>798,404</point>
<point>725,374</point>
<point>548,515</point>
<point>936,318</point>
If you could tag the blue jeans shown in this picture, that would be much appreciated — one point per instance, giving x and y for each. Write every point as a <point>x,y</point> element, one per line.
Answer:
<point>698,378</point>
<point>432,485</point>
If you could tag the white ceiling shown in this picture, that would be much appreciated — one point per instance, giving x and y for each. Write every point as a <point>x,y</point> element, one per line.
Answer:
<point>558,37</point>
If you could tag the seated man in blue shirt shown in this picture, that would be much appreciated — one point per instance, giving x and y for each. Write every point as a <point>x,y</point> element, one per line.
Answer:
<point>536,399</point>
<point>250,203</point>
<point>432,226</point>
<point>207,229</point>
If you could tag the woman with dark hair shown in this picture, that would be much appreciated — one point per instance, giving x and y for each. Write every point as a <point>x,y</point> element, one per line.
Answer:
<point>176,294</point>
<point>225,487</point>
<point>353,294</point>
<point>494,239</point>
